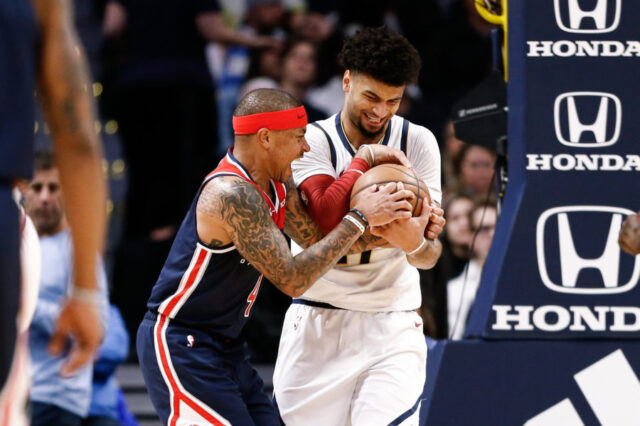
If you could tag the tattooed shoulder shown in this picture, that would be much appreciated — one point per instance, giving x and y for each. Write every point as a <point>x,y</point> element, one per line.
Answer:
<point>230,199</point>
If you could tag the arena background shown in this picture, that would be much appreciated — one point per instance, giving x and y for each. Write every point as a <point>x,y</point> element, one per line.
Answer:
<point>553,335</point>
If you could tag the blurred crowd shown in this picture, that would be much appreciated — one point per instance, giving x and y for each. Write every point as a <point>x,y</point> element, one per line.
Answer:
<point>168,74</point>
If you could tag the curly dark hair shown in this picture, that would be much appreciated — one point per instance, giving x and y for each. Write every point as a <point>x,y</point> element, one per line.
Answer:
<point>382,54</point>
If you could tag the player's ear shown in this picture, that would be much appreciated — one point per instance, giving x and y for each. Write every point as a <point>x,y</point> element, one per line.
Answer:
<point>346,81</point>
<point>265,138</point>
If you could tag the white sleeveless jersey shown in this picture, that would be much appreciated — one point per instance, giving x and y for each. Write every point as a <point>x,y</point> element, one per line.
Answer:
<point>380,280</point>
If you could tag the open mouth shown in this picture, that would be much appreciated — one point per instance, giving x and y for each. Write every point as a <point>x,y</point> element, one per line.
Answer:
<point>373,120</point>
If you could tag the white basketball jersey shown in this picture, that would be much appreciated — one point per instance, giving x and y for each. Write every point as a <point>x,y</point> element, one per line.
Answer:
<point>380,280</point>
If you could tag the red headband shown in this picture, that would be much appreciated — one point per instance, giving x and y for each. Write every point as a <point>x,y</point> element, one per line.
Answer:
<point>276,120</point>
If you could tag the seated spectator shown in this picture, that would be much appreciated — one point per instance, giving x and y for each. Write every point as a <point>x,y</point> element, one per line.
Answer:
<point>55,399</point>
<point>461,291</point>
<point>105,398</point>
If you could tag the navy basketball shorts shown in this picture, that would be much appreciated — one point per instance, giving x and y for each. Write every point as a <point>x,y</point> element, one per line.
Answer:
<point>195,378</point>
<point>9,279</point>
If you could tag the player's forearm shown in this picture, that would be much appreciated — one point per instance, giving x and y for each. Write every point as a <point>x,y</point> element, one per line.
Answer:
<point>307,267</point>
<point>298,224</point>
<point>64,90</point>
<point>427,256</point>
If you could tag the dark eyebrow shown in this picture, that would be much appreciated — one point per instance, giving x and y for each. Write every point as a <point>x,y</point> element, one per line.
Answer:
<point>369,92</point>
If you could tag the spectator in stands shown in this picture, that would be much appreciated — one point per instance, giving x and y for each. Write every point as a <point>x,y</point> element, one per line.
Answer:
<point>106,393</point>
<point>457,235</point>
<point>455,254</point>
<point>474,169</point>
<point>55,400</point>
<point>451,151</point>
<point>299,65</point>
<point>461,291</point>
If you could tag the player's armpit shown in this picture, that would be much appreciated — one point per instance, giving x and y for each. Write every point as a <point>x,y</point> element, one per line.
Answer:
<point>298,224</point>
<point>245,216</point>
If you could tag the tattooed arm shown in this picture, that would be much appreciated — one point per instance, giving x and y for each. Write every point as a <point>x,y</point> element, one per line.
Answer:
<point>238,207</point>
<point>304,231</point>
<point>298,224</point>
<point>63,85</point>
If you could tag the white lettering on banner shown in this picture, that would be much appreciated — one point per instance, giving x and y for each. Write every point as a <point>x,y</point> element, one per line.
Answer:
<point>504,317</point>
<point>583,48</point>
<point>584,162</point>
<point>555,318</point>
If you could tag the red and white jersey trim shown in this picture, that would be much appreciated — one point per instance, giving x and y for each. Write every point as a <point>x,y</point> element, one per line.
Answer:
<point>185,408</point>
<point>189,282</point>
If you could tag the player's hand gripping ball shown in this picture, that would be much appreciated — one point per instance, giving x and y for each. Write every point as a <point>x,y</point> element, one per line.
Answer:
<point>393,173</point>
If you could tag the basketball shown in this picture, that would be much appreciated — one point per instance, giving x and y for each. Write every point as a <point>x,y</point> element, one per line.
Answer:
<point>386,173</point>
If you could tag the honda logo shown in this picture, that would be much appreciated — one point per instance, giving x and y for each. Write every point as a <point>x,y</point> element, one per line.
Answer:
<point>587,119</point>
<point>572,18</point>
<point>556,234</point>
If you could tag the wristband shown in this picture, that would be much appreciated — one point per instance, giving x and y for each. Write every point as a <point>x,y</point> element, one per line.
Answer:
<point>355,221</point>
<point>354,170</point>
<point>373,157</point>
<point>85,295</point>
<point>424,241</point>
<point>361,215</point>
<point>358,164</point>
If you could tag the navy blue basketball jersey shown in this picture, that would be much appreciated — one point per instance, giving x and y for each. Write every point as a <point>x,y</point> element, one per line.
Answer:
<point>206,287</point>
<point>18,40</point>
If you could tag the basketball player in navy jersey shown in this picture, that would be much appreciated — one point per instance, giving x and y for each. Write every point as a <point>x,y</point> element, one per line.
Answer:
<point>194,364</point>
<point>38,45</point>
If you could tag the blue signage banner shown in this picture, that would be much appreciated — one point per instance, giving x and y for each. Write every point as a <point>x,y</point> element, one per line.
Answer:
<point>555,270</point>
<point>532,383</point>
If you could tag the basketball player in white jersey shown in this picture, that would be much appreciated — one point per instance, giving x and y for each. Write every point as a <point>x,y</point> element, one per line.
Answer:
<point>352,350</point>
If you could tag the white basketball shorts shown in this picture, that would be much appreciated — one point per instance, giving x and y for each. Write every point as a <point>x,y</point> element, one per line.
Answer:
<point>338,367</point>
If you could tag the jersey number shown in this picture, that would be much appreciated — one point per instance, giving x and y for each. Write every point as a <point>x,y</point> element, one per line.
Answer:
<point>252,297</point>
<point>365,258</point>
